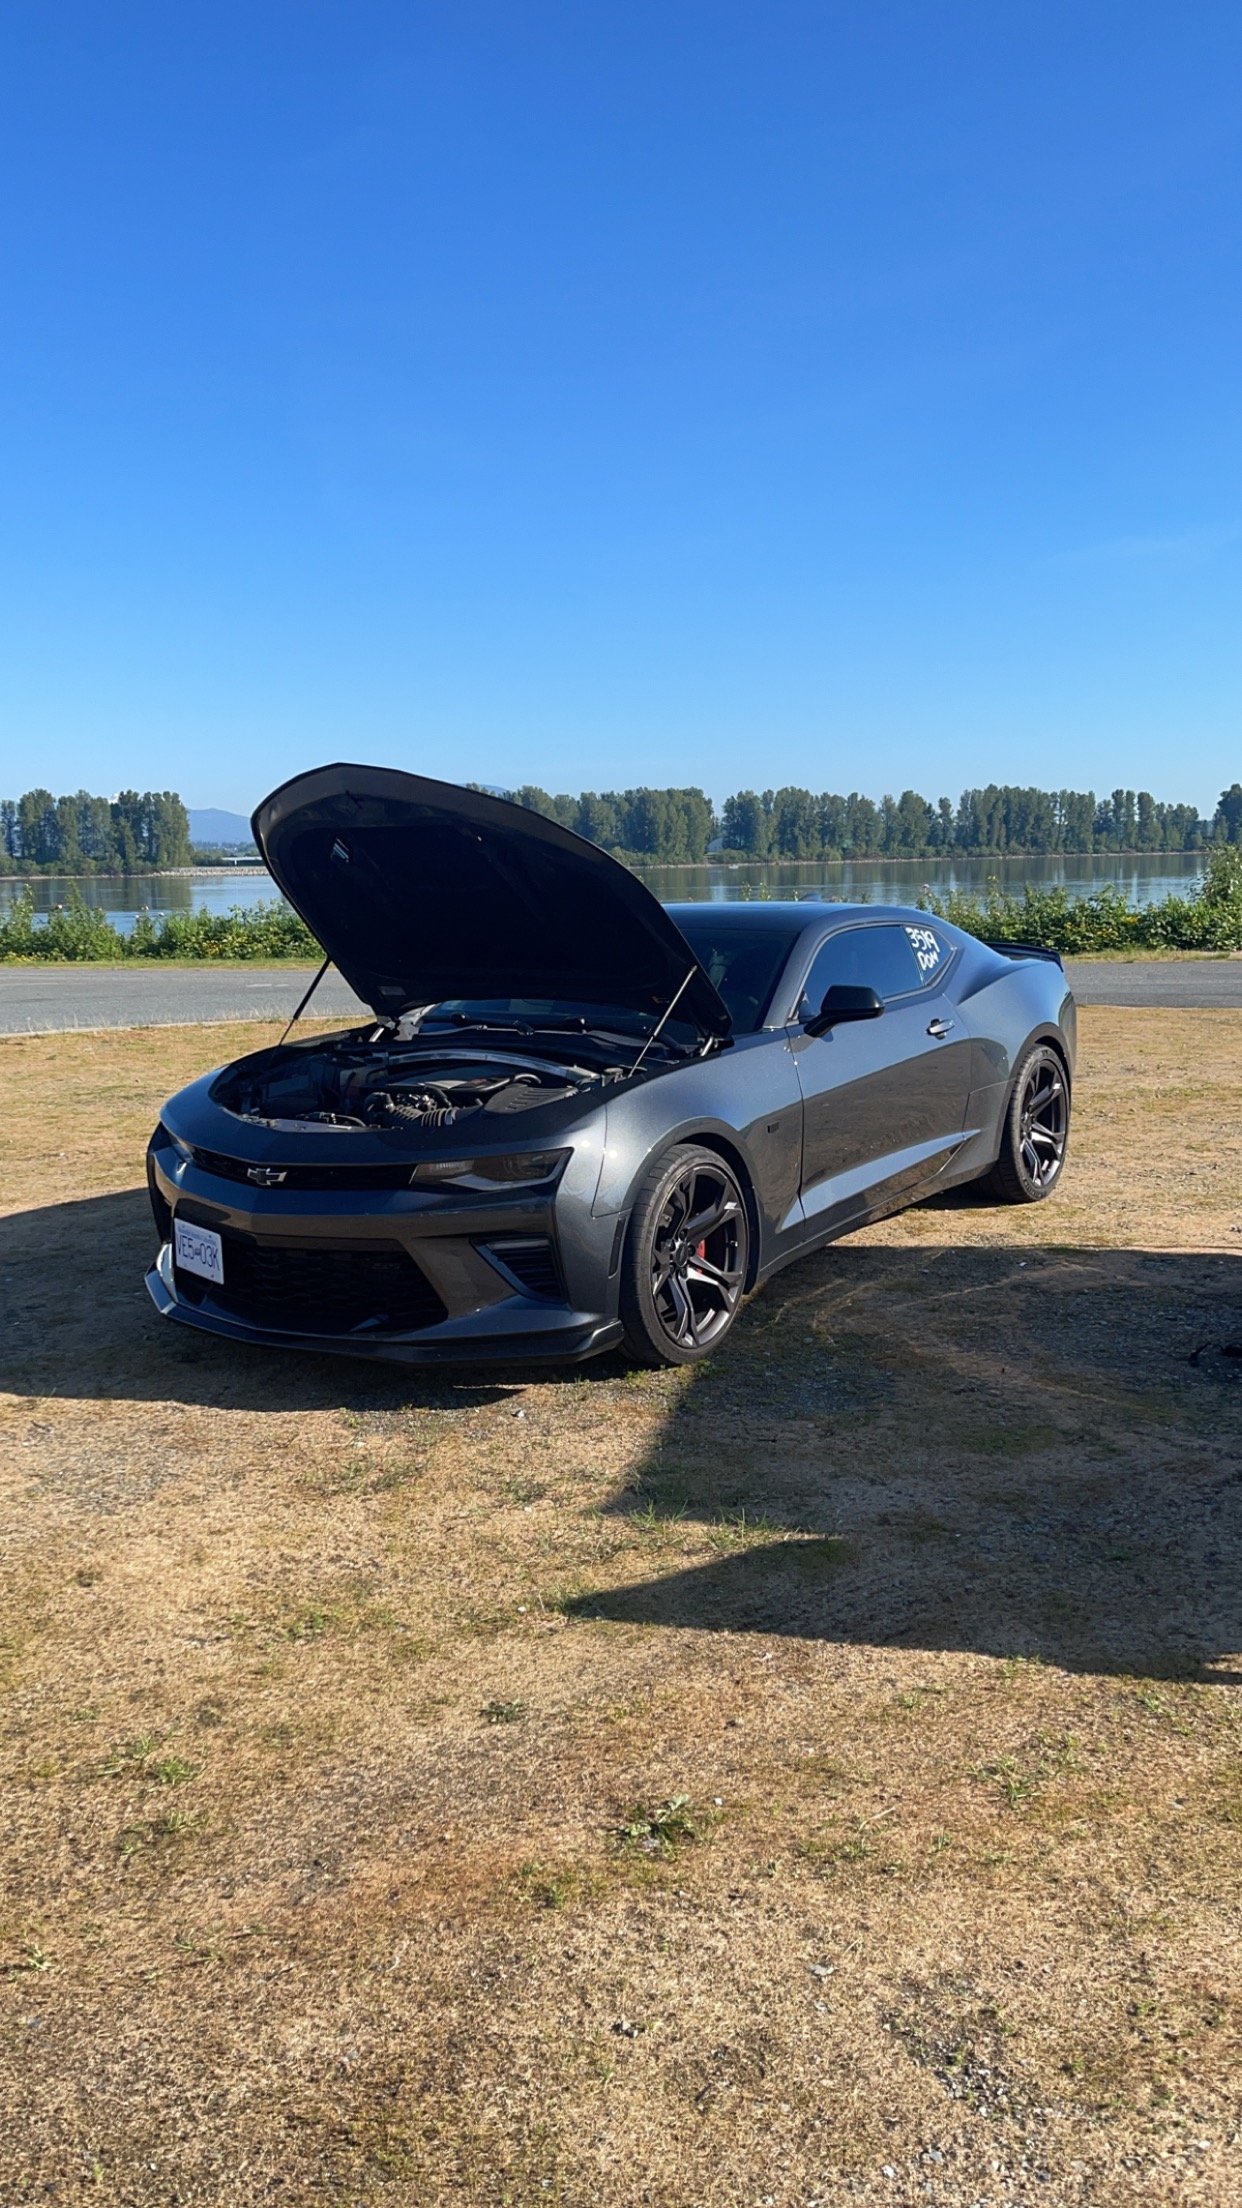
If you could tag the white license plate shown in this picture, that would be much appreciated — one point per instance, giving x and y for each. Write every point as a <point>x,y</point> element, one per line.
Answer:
<point>198,1250</point>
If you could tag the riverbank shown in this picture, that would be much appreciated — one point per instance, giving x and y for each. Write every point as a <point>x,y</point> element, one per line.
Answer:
<point>1207,917</point>
<point>640,862</point>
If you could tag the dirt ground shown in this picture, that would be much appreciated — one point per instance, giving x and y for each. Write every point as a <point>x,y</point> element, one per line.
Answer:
<point>816,1778</point>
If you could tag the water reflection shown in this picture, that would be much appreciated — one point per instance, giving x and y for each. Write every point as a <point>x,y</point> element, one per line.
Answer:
<point>1144,878</point>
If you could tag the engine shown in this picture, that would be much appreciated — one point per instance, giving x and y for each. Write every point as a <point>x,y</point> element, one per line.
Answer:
<point>397,1091</point>
<point>443,1102</point>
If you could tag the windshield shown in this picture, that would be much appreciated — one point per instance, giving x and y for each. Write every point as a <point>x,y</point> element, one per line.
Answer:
<point>743,960</point>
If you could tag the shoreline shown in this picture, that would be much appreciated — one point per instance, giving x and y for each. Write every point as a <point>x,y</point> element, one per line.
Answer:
<point>249,869</point>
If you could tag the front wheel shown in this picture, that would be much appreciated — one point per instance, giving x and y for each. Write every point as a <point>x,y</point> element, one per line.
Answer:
<point>1036,1131</point>
<point>684,1267</point>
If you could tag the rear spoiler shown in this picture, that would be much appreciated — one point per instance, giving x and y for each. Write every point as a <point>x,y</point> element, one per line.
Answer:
<point>1010,949</point>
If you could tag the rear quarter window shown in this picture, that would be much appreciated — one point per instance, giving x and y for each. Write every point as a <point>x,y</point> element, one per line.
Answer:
<point>930,950</point>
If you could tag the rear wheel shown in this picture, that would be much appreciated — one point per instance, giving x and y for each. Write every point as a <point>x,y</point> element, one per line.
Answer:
<point>1036,1131</point>
<point>684,1266</point>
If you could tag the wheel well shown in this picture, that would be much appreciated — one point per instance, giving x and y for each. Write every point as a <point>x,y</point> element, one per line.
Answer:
<point>1050,1041</point>
<point>1054,1043</point>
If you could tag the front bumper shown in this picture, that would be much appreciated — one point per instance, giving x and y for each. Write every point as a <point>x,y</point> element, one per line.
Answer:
<point>409,1276</point>
<point>561,1338</point>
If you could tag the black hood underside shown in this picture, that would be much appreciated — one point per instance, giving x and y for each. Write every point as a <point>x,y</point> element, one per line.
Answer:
<point>421,891</point>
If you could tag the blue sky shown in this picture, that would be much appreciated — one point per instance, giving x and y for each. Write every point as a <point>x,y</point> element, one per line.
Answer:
<point>594,394</point>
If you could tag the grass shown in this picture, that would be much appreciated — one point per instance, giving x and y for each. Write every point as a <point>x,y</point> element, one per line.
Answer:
<point>712,1786</point>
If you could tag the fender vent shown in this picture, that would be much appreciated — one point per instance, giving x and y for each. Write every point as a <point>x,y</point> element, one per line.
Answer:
<point>531,1260</point>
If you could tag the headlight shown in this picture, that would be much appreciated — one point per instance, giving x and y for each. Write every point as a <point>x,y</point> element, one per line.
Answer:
<point>182,1149</point>
<point>530,1169</point>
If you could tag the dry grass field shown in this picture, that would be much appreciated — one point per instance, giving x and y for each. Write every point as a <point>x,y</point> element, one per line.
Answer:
<point>813,1779</point>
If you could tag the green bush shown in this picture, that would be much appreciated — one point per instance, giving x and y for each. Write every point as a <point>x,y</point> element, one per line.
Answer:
<point>80,931</point>
<point>73,931</point>
<point>255,931</point>
<point>1209,918</point>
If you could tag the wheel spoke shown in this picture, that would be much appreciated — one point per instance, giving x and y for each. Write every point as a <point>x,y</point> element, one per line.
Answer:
<point>675,1211</point>
<point>1039,1102</point>
<point>706,1222</point>
<point>683,1309</point>
<point>712,1278</point>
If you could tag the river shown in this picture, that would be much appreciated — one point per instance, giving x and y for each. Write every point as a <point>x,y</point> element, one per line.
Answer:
<point>1144,878</point>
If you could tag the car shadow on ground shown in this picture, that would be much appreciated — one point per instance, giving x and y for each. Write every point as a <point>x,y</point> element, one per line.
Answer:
<point>1022,1452</point>
<point>76,1322</point>
<point>1025,1452</point>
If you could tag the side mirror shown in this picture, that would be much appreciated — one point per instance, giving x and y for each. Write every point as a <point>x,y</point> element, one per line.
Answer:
<point>844,1001</point>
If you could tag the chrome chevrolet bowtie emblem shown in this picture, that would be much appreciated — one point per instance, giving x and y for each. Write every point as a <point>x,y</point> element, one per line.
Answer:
<point>265,1176</point>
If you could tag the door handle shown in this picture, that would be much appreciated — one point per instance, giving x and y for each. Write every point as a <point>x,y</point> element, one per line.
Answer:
<point>940,1028</point>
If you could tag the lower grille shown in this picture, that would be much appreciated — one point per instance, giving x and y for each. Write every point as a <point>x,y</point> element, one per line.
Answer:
<point>320,1288</point>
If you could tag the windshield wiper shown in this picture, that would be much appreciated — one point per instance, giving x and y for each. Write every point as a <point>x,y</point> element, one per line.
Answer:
<point>467,1019</point>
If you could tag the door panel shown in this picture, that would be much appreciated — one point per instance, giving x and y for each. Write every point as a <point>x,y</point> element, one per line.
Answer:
<point>884,1100</point>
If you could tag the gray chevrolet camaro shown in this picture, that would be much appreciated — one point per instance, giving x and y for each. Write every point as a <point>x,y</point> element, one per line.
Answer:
<point>579,1118</point>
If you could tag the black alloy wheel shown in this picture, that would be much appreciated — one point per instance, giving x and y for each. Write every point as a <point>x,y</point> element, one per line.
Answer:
<point>1036,1131</point>
<point>684,1268</point>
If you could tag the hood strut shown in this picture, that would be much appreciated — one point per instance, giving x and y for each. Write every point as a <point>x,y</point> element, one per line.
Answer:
<point>305,1001</point>
<point>665,1015</point>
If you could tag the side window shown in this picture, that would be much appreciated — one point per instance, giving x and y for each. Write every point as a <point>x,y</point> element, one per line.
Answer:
<point>881,958</point>
<point>931,952</point>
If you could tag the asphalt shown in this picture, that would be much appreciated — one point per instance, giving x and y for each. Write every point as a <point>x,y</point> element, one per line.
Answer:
<point>40,1000</point>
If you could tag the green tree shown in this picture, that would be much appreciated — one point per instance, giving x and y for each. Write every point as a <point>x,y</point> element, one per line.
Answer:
<point>36,827</point>
<point>745,824</point>
<point>1227,823</point>
<point>597,819</point>
<point>795,825</point>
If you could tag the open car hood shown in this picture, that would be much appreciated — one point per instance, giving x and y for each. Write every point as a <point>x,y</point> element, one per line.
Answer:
<point>420,890</point>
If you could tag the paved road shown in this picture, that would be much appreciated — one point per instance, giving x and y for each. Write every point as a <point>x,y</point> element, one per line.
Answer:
<point>41,999</point>
<point>1175,983</point>
<point>37,999</point>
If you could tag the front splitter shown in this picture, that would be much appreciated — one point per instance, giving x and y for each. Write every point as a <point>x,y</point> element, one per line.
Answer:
<point>572,1347</point>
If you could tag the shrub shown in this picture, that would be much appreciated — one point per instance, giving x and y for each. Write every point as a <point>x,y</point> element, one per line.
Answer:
<point>80,931</point>
<point>1209,918</point>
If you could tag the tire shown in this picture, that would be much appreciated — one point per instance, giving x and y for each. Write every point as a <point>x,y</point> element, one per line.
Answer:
<point>683,1271</point>
<point>1035,1134</point>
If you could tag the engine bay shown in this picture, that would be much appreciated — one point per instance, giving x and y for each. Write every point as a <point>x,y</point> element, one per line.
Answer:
<point>397,1090</point>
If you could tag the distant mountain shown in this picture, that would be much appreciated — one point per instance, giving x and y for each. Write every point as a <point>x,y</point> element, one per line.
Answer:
<point>209,825</point>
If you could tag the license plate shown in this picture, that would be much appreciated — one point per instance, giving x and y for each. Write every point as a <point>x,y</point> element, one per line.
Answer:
<point>198,1250</point>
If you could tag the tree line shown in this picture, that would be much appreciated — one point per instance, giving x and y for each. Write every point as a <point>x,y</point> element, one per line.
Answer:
<point>144,829</point>
<point>81,834</point>
<point>681,825</point>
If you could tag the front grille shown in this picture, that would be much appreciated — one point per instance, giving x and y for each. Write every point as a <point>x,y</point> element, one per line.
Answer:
<point>532,1261</point>
<point>318,1288</point>
<point>308,1176</point>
